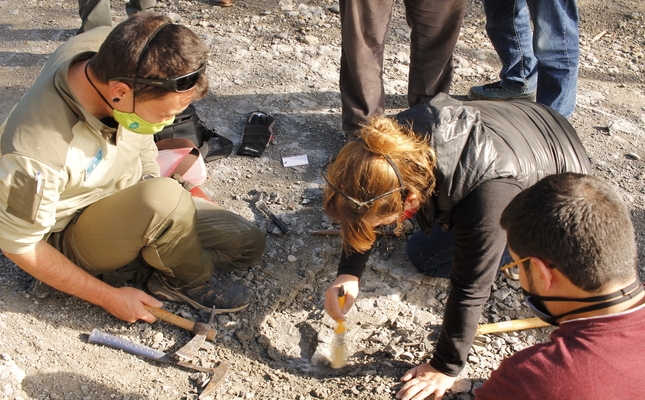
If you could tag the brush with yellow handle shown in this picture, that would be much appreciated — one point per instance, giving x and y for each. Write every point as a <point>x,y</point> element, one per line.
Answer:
<point>338,351</point>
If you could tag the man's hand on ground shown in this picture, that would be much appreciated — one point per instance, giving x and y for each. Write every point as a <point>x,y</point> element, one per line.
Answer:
<point>47,264</point>
<point>422,381</point>
<point>127,305</point>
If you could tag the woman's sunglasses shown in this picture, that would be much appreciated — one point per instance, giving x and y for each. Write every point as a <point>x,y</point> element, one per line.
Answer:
<point>370,202</point>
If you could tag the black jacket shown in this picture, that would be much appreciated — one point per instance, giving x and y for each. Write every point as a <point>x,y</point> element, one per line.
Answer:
<point>478,141</point>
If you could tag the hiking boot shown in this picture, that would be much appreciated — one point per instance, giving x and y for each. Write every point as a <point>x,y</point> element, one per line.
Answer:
<point>219,292</point>
<point>39,289</point>
<point>495,91</point>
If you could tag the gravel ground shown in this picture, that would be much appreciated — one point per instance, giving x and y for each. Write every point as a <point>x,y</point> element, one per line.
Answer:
<point>283,58</point>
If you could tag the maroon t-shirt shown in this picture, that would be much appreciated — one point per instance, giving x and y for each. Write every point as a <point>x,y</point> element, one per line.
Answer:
<point>593,358</point>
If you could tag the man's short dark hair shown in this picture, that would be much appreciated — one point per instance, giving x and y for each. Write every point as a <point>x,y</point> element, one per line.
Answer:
<point>579,225</point>
<point>174,51</point>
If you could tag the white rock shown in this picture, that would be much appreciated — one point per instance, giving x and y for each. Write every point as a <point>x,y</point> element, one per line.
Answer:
<point>588,97</point>
<point>11,376</point>
<point>622,125</point>
<point>310,40</point>
<point>157,338</point>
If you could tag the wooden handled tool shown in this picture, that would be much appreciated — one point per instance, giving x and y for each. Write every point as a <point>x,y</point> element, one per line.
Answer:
<point>512,325</point>
<point>336,232</point>
<point>338,351</point>
<point>181,322</point>
<point>217,374</point>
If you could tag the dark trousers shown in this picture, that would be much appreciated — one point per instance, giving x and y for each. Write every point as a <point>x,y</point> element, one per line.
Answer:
<point>433,254</point>
<point>364,23</point>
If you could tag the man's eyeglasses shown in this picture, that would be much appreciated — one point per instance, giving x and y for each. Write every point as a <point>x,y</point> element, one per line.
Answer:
<point>510,274</point>
<point>179,84</point>
<point>370,202</point>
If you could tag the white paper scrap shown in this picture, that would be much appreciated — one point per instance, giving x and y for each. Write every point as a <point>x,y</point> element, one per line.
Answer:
<point>295,161</point>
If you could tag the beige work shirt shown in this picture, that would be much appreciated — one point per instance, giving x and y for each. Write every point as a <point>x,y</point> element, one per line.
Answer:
<point>56,158</point>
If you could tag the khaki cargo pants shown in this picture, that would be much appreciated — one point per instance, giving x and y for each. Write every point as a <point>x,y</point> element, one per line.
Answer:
<point>157,223</point>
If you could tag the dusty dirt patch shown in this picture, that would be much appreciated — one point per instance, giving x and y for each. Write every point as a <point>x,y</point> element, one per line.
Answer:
<point>283,58</point>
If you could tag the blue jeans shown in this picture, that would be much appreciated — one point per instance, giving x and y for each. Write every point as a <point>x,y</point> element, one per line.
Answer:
<point>432,255</point>
<point>546,59</point>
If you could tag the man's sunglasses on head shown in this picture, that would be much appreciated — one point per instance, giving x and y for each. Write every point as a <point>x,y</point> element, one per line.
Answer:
<point>179,84</point>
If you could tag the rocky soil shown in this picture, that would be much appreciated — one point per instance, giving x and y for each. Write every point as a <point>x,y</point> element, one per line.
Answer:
<point>282,57</point>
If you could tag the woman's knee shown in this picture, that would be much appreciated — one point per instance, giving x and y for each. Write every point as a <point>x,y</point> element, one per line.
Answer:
<point>415,248</point>
<point>428,258</point>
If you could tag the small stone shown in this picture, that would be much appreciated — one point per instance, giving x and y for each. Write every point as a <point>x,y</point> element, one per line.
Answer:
<point>157,338</point>
<point>624,126</point>
<point>291,258</point>
<point>633,156</point>
<point>310,40</point>
<point>335,8</point>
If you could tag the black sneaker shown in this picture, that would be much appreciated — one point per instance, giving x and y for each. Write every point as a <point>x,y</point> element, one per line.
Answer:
<point>219,292</point>
<point>495,91</point>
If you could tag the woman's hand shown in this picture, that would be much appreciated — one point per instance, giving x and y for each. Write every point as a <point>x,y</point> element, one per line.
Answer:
<point>350,285</point>
<point>422,381</point>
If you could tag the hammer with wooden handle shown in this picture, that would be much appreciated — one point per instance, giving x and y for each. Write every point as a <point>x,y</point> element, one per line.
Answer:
<point>187,324</point>
<point>217,374</point>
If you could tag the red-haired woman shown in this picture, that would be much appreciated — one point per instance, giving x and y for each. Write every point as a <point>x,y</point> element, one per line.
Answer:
<point>456,166</point>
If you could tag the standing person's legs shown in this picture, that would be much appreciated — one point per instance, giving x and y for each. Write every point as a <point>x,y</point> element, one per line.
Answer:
<point>364,24</point>
<point>134,6</point>
<point>143,4</point>
<point>93,13</point>
<point>435,29</point>
<point>508,24</point>
<point>557,48</point>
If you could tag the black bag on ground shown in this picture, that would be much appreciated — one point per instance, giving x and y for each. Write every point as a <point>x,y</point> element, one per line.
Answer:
<point>187,125</point>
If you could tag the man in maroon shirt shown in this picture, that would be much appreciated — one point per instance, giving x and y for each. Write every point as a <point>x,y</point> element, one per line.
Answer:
<point>574,241</point>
